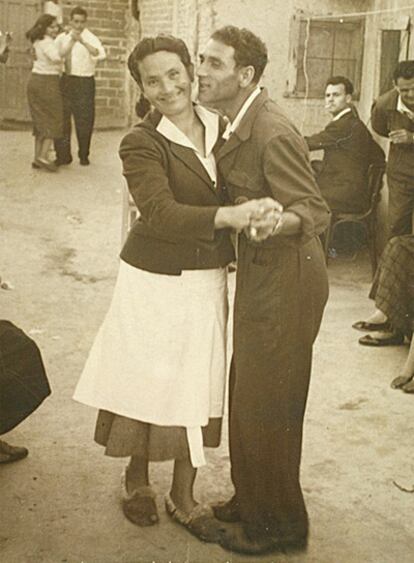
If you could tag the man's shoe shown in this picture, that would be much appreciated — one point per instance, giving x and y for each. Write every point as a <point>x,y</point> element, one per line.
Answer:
<point>235,539</point>
<point>84,161</point>
<point>227,511</point>
<point>9,453</point>
<point>63,161</point>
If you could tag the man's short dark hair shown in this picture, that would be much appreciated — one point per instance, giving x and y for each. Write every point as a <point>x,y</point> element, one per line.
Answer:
<point>249,50</point>
<point>79,11</point>
<point>335,80</point>
<point>404,69</point>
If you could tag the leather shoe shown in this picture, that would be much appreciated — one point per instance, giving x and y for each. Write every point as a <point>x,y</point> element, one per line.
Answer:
<point>63,162</point>
<point>365,326</point>
<point>84,161</point>
<point>396,339</point>
<point>9,453</point>
<point>227,511</point>
<point>235,539</point>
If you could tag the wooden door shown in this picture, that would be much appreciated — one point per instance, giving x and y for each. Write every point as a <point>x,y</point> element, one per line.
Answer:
<point>16,16</point>
<point>390,54</point>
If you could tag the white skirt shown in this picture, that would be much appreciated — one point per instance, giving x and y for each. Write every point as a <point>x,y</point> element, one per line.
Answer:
<point>160,354</point>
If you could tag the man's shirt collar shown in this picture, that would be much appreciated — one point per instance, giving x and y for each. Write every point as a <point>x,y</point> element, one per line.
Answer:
<point>402,108</point>
<point>341,113</point>
<point>232,126</point>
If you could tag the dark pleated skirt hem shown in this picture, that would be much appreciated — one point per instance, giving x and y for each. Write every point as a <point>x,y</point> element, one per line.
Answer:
<point>125,437</point>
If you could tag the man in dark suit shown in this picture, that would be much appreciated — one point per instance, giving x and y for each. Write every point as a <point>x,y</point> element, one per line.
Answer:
<point>349,149</point>
<point>393,117</point>
<point>281,290</point>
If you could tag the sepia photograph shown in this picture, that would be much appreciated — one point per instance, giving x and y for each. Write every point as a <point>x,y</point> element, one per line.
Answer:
<point>206,281</point>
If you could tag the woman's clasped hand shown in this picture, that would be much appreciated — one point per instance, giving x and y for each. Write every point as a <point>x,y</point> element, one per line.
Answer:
<point>258,218</point>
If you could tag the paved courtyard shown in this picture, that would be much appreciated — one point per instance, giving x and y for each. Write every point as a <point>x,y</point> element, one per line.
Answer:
<point>59,242</point>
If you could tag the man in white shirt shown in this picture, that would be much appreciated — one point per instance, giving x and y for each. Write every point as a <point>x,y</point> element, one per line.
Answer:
<point>78,88</point>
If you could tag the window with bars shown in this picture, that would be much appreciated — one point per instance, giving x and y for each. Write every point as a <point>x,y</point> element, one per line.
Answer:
<point>324,49</point>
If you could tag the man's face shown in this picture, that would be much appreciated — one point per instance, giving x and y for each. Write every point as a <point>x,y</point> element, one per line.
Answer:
<point>218,75</point>
<point>336,98</point>
<point>78,22</point>
<point>405,87</point>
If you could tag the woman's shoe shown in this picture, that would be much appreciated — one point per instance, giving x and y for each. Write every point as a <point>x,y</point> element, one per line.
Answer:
<point>139,506</point>
<point>396,339</point>
<point>400,382</point>
<point>35,165</point>
<point>9,453</point>
<point>200,521</point>
<point>46,165</point>
<point>365,326</point>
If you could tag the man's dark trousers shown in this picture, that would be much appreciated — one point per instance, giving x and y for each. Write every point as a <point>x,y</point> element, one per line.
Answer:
<point>78,94</point>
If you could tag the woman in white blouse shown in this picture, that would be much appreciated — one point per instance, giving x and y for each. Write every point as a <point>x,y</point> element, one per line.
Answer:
<point>43,90</point>
<point>157,368</point>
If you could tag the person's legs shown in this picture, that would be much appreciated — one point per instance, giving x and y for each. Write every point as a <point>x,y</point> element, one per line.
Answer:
<point>138,502</point>
<point>182,486</point>
<point>400,205</point>
<point>62,145</point>
<point>45,146</point>
<point>270,379</point>
<point>37,148</point>
<point>137,473</point>
<point>405,380</point>
<point>83,105</point>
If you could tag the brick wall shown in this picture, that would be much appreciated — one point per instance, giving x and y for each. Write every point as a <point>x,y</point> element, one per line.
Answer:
<point>110,20</point>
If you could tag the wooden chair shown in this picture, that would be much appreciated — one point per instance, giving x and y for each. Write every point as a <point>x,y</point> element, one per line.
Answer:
<point>367,219</point>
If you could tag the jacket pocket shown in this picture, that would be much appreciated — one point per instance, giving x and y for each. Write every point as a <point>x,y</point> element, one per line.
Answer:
<point>241,182</point>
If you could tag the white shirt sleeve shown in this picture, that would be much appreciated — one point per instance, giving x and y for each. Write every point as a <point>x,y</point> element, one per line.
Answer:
<point>95,42</point>
<point>50,49</point>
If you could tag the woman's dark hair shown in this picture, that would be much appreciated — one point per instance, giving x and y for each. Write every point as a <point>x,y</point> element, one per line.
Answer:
<point>249,50</point>
<point>151,45</point>
<point>38,31</point>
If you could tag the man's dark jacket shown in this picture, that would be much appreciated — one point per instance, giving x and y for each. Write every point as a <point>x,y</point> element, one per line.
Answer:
<point>386,118</point>
<point>349,150</point>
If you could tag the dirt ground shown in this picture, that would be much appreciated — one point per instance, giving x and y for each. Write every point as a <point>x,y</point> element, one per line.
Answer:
<point>59,241</point>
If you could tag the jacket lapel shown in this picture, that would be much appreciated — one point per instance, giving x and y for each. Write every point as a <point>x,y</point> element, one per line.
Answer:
<point>187,156</point>
<point>244,130</point>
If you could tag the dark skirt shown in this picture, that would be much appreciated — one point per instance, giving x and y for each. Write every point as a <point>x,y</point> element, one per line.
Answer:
<point>23,381</point>
<point>46,106</point>
<point>393,286</point>
<point>125,437</point>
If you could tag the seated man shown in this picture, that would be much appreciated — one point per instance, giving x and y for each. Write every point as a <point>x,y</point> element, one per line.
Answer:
<point>349,149</point>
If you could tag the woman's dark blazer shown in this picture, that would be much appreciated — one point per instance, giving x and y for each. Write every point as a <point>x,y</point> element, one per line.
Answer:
<point>177,201</point>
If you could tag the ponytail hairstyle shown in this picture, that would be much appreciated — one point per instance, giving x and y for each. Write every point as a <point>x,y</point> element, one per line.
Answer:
<point>142,107</point>
<point>38,31</point>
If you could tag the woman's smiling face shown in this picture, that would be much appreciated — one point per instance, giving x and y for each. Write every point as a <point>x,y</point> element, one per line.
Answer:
<point>166,82</point>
